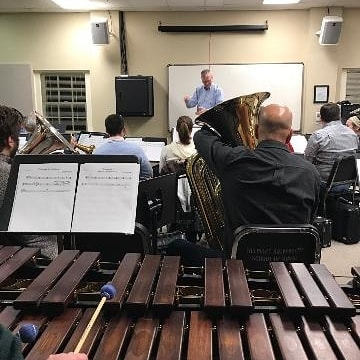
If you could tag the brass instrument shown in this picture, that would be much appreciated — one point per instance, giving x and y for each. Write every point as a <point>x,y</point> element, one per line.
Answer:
<point>234,121</point>
<point>87,149</point>
<point>45,139</point>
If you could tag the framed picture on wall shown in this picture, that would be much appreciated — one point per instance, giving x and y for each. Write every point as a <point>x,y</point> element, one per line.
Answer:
<point>321,94</point>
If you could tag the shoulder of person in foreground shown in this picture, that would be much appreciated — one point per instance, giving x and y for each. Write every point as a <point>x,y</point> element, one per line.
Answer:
<point>10,348</point>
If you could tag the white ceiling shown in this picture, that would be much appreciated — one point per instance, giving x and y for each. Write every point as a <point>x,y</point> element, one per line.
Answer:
<point>172,5</point>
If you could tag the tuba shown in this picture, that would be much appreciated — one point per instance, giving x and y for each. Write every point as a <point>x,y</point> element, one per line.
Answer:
<point>234,122</point>
<point>45,139</point>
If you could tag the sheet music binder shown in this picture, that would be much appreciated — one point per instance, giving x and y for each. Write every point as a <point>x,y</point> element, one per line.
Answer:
<point>109,168</point>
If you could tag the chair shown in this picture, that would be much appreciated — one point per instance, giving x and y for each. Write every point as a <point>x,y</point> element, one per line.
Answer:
<point>186,213</point>
<point>343,172</point>
<point>257,245</point>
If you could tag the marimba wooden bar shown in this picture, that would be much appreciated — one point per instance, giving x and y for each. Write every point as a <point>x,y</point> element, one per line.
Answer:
<point>157,283</point>
<point>192,335</point>
<point>155,315</point>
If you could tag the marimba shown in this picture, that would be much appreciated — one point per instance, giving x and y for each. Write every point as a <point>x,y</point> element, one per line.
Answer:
<point>165,311</point>
<point>191,335</point>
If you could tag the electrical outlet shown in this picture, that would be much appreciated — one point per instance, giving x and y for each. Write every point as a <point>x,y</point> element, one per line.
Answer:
<point>317,116</point>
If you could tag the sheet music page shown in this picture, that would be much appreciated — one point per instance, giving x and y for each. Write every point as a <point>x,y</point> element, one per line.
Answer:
<point>106,198</point>
<point>175,134</point>
<point>153,149</point>
<point>44,198</point>
<point>134,139</point>
<point>298,143</point>
<point>22,140</point>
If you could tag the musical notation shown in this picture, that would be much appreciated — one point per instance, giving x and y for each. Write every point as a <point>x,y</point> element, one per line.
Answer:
<point>51,187</point>
<point>106,198</point>
<point>65,197</point>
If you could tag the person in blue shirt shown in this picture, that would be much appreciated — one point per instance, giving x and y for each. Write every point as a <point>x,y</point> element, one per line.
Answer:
<point>205,96</point>
<point>116,145</point>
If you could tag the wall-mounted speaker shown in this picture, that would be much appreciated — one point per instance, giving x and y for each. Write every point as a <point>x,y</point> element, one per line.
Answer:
<point>100,32</point>
<point>330,30</point>
<point>134,95</point>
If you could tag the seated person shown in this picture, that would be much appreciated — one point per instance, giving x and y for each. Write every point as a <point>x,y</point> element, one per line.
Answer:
<point>178,151</point>
<point>10,124</point>
<point>354,123</point>
<point>116,145</point>
<point>332,140</point>
<point>173,156</point>
<point>268,185</point>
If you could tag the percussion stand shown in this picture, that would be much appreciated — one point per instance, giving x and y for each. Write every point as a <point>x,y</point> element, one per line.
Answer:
<point>155,207</point>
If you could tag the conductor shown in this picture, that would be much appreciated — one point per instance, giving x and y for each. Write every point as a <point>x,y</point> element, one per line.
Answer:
<point>205,96</point>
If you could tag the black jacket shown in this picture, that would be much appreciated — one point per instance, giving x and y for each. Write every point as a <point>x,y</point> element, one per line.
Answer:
<point>268,185</point>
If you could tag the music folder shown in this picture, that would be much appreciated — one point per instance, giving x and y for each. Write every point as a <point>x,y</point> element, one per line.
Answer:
<point>71,193</point>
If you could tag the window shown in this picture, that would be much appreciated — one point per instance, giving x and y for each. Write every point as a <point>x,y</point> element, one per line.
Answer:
<point>64,100</point>
<point>353,86</point>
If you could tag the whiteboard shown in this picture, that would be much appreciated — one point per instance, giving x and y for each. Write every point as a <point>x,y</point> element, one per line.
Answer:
<point>284,81</point>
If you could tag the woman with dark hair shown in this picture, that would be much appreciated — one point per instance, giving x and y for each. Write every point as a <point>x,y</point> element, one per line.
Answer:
<point>173,156</point>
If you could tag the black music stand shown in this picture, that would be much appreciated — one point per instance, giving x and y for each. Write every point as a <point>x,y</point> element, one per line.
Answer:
<point>155,139</point>
<point>89,134</point>
<point>156,206</point>
<point>5,214</point>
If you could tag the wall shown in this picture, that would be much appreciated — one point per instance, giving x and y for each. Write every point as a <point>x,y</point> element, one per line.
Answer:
<point>62,42</point>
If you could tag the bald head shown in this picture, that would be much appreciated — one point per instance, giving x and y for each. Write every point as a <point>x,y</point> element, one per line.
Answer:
<point>274,123</point>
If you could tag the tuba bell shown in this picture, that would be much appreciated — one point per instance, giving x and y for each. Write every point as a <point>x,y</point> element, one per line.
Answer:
<point>234,122</point>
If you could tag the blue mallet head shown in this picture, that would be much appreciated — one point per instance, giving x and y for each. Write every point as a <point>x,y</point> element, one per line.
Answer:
<point>28,333</point>
<point>108,290</point>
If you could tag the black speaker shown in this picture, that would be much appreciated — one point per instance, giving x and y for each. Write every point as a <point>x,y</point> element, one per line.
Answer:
<point>134,95</point>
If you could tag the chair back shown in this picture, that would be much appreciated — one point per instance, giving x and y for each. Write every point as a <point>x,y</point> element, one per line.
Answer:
<point>258,245</point>
<point>343,172</point>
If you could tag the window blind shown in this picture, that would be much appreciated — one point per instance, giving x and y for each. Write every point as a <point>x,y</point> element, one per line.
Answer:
<point>64,100</point>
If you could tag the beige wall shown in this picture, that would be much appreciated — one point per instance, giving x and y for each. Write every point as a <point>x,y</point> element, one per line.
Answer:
<point>62,42</point>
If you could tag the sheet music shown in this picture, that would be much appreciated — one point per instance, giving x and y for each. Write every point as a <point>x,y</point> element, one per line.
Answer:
<point>153,149</point>
<point>135,139</point>
<point>44,198</point>
<point>175,134</point>
<point>298,143</point>
<point>106,198</point>
<point>22,140</point>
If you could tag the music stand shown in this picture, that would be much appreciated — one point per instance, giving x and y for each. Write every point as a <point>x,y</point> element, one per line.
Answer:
<point>45,159</point>
<point>156,205</point>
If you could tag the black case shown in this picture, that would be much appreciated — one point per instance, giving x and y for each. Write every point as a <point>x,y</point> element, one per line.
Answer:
<point>346,220</point>
<point>324,227</point>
